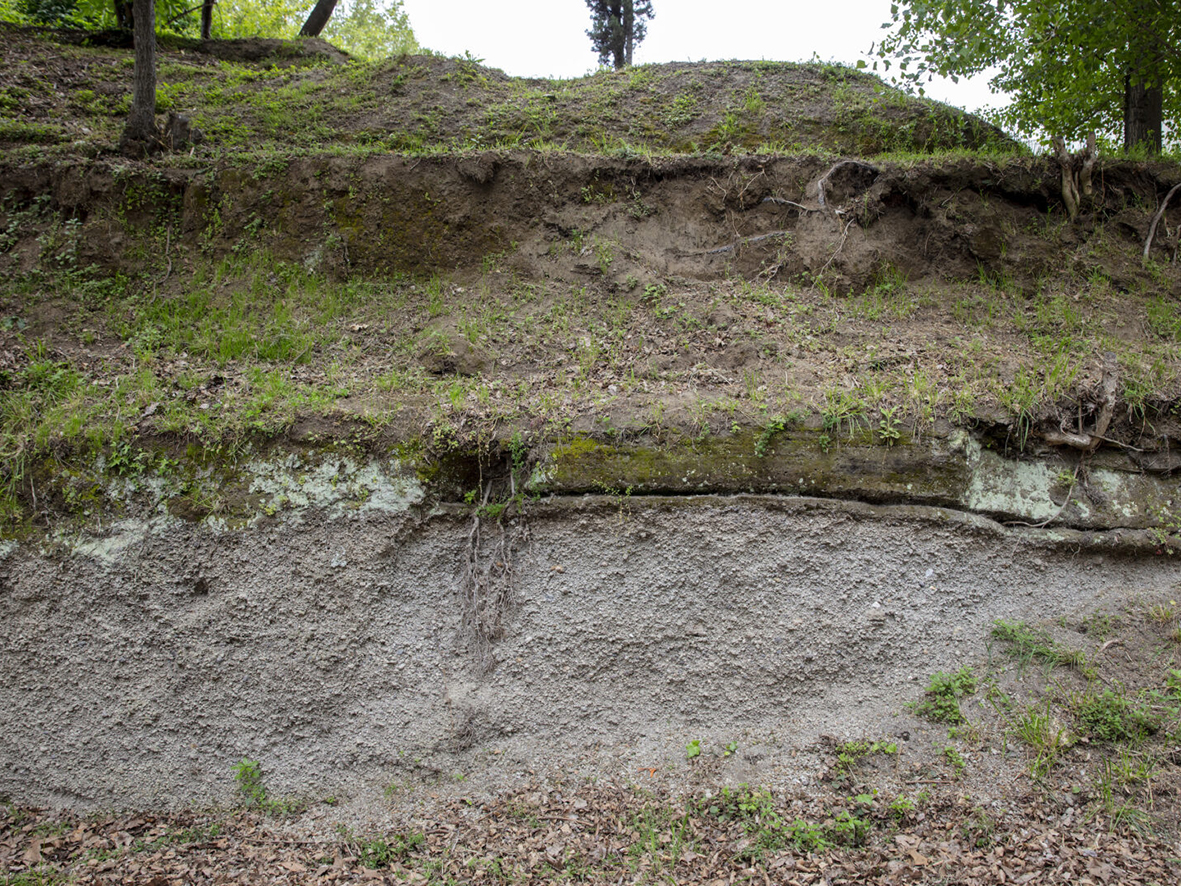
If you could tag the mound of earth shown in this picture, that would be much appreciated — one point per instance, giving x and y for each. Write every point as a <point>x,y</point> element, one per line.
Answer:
<point>258,96</point>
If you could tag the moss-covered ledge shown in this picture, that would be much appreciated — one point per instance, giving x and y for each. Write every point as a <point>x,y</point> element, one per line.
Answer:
<point>953,470</point>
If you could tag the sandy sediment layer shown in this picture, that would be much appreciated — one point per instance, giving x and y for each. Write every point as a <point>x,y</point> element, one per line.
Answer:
<point>336,650</point>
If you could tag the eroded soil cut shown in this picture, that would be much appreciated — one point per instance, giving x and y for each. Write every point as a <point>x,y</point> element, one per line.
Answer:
<point>391,447</point>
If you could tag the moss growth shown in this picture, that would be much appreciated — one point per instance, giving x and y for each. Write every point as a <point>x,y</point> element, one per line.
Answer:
<point>797,461</point>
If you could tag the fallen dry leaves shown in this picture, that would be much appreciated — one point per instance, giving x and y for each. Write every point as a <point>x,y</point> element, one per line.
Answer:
<point>591,833</point>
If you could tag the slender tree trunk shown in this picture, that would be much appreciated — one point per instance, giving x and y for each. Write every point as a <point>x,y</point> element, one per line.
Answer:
<point>140,135</point>
<point>1143,115</point>
<point>629,29</point>
<point>618,39</point>
<point>123,15</point>
<point>318,18</point>
<point>207,18</point>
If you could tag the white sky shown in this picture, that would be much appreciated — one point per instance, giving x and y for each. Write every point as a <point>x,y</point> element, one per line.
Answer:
<point>546,38</point>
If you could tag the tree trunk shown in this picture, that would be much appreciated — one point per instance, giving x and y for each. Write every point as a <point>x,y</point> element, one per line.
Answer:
<point>123,15</point>
<point>140,135</point>
<point>207,18</point>
<point>318,19</point>
<point>629,29</point>
<point>1143,115</point>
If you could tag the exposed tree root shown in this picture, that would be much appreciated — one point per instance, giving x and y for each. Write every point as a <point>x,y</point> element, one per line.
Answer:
<point>737,244</point>
<point>1076,172</point>
<point>779,201</point>
<point>821,186</point>
<point>1160,213</point>
<point>1089,442</point>
<point>487,587</point>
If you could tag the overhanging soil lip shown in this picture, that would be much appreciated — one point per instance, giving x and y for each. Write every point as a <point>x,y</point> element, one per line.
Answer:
<point>1116,541</point>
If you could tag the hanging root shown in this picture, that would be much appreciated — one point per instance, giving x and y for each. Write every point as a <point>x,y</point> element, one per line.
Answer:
<point>822,185</point>
<point>487,586</point>
<point>1160,213</point>
<point>744,241</point>
<point>1076,172</point>
<point>1089,442</point>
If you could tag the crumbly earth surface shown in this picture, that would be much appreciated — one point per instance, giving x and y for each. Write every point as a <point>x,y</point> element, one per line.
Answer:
<point>275,406</point>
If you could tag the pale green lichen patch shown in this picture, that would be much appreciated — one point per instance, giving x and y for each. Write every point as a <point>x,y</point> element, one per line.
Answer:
<point>1004,486</point>
<point>1039,491</point>
<point>338,485</point>
<point>116,542</point>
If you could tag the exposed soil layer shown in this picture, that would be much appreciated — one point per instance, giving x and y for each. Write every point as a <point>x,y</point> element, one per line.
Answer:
<point>341,652</point>
<point>813,313</point>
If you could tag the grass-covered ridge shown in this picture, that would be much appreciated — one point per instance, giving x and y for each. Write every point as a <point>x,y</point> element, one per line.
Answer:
<point>430,104</point>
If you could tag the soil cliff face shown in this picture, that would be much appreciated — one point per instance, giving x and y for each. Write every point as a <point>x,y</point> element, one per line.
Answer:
<point>344,653</point>
<point>420,420</point>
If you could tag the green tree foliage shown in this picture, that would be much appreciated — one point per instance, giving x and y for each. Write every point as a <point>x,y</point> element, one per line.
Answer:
<point>369,29</point>
<point>176,16</point>
<point>1070,66</point>
<point>617,26</point>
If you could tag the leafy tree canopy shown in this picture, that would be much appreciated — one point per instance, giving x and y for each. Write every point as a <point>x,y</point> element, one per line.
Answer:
<point>1069,66</point>
<point>175,16</point>
<point>368,29</point>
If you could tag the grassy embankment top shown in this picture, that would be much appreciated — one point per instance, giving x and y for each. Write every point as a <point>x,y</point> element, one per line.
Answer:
<point>235,293</point>
<point>260,97</point>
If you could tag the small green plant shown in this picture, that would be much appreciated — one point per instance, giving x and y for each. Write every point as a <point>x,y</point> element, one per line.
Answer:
<point>1167,531</point>
<point>850,753</point>
<point>381,853</point>
<point>901,807</point>
<point>956,760</point>
<point>1029,644</point>
<point>730,749</point>
<point>1099,625</point>
<point>1113,717</point>
<point>889,428</point>
<point>842,408</point>
<point>1162,613</point>
<point>1173,682</point>
<point>848,829</point>
<point>755,809</point>
<point>1045,737</point>
<point>693,749</point>
<point>978,829</point>
<point>1065,479</point>
<point>942,701</point>
<point>773,427</point>
<point>248,775</point>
